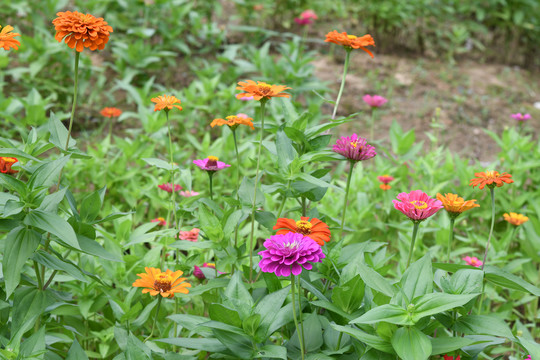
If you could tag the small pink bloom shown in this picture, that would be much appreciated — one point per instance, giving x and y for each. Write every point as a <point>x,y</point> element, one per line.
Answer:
<point>198,273</point>
<point>375,100</point>
<point>159,220</point>
<point>211,163</point>
<point>385,179</point>
<point>528,357</point>
<point>244,98</point>
<point>473,261</point>
<point>191,235</point>
<point>306,17</point>
<point>188,193</point>
<point>354,148</point>
<point>242,115</point>
<point>417,205</point>
<point>168,187</point>
<point>521,117</point>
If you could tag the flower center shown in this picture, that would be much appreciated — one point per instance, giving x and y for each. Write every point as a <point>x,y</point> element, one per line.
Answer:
<point>303,227</point>
<point>492,174</point>
<point>210,265</point>
<point>265,89</point>
<point>352,37</point>
<point>420,205</point>
<point>212,161</point>
<point>10,160</point>
<point>291,245</point>
<point>163,283</point>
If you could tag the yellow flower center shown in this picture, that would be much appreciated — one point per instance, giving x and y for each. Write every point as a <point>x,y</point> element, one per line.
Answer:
<point>352,37</point>
<point>9,160</point>
<point>265,89</point>
<point>213,265</point>
<point>163,282</point>
<point>492,174</point>
<point>420,205</point>
<point>161,219</point>
<point>303,227</point>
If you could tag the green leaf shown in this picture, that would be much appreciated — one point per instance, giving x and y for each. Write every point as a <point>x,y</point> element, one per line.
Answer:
<point>533,348</point>
<point>52,262</point>
<point>272,351</point>
<point>210,345</point>
<point>210,224</point>
<point>76,352</point>
<point>445,345</point>
<point>90,207</point>
<point>224,314</point>
<point>389,313</point>
<point>368,339</point>
<point>137,350</point>
<point>59,133</point>
<point>92,247</point>
<point>285,151</point>
<point>245,192</point>
<point>375,280</point>
<point>17,154</point>
<point>349,296</point>
<point>162,164</point>
<point>411,344</point>
<point>47,174</point>
<point>483,325</point>
<point>237,295</point>
<point>21,243</point>
<point>313,339</point>
<point>505,279</point>
<point>50,202</point>
<point>34,346</point>
<point>418,279</point>
<point>434,303</point>
<point>266,219</point>
<point>145,314</point>
<point>332,307</point>
<point>267,307</point>
<point>55,225</point>
<point>13,184</point>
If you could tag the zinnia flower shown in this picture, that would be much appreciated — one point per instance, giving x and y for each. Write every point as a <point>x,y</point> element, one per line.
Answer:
<point>490,178</point>
<point>211,163</point>
<point>473,261</point>
<point>166,102</point>
<point>515,219</point>
<point>315,229</point>
<point>198,273</point>
<point>375,101</point>
<point>385,179</point>
<point>159,220</point>
<point>188,193</point>
<point>110,112</point>
<point>528,357</point>
<point>448,357</point>
<point>354,148</point>
<point>233,121</point>
<point>168,187</point>
<point>455,205</point>
<point>261,90</point>
<point>306,17</point>
<point>287,253</point>
<point>417,205</point>
<point>518,116</point>
<point>243,97</point>
<point>191,235</point>
<point>79,30</point>
<point>351,41</point>
<point>164,283</point>
<point>6,163</point>
<point>7,40</point>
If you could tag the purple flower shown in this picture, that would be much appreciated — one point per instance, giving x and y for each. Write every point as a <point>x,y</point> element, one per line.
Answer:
<point>521,117</point>
<point>211,163</point>
<point>198,273</point>
<point>288,252</point>
<point>375,100</point>
<point>354,148</point>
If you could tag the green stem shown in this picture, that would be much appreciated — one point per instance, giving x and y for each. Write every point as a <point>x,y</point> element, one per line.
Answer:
<point>210,175</point>
<point>294,316</point>
<point>372,123</point>
<point>339,341</point>
<point>492,190</point>
<point>263,104</point>
<point>155,318</point>
<point>284,199</point>
<point>411,249</point>
<point>303,206</point>
<point>450,237</point>
<point>347,188</point>
<point>38,276</point>
<point>237,162</point>
<point>514,230</point>
<point>75,90</point>
<point>345,67</point>
<point>300,311</point>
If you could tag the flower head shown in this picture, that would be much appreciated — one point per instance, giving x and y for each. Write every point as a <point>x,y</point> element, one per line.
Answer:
<point>351,41</point>
<point>354,148</point>
<point>233,121</point>
<point>160,220</point>
<point>261,90</point>
<point>287,253</point>
<point>528,357</point>
<point>417,205</point>
<point>198,273</point>
<point>164,283</point>
<point>314,229</point>
<point>306,17</point>
<point>7,40</point>
<point>448,357</point>
<point>515,219</point>
<point>243,97</point>
<point>375,101</point>
<point>188,193</point>
<point>168,187</point>
<point>491,179</point>
<point>80,30</point>
<point>211,163</point>
<point>166,102</point>
<point>473,261</point>
<point>191,235</point>
<point>521,117</point>
<point>455,205</point>
<point>110,112</point>
<point>6,163</point>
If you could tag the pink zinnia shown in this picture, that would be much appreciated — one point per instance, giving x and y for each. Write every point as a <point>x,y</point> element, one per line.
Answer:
<point>306,17</point>
<point>417,205</point>
<point>528,357</point>
<point>521,117</point>
<point>188,193</point>
<point>198,273</point>
<point>244,98</point>
<point>375,100</point>
<point>473,261</point>
<point>211,163</point>
<point>168,187</point>
<point>385,179</point>
<point>354,148</point>
<point>191,235</point>
<point>288,252</point>
<point>159,220</point>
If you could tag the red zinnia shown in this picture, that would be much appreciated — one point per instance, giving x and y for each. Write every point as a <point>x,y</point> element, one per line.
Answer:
<point>6,163</point>
<point>314,229</point>
<point>111,112</point>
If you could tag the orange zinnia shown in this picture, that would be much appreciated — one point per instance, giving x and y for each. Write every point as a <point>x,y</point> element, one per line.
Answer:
<point>515,219</point>
<point>6,163</point>
<point>314,229</point>
<point>166,102</point>
<point>491,179</point>
<point>79,30</point>
<point>351,41</point>
<point>455,205</point>
<point>7,38</point>
<point>233,121</point>
<point>110,112</point>
<point>165,283</point>
<point>385,187</point>
<point>261,90</point>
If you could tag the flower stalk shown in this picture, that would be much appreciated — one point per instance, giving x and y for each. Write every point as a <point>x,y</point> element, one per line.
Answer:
<point>160,298</point>
<point>345,67</point>
<point>413,240</point>
<point>347,188</point>
<point>293,287</point>
<point>492,192</point>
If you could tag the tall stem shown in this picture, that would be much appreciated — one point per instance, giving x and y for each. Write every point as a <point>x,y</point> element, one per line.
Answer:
<point>373,111</point>
<point>237,162</point>
<point>263,104</point>
<point>351,163</point>
<point>210,175</point>
<point>450,237</point>
<point>293,287</point>
<point>300,310</point>
<point>514,230</point>
<point>411,249</point>
<point>155,318</point>
<point>492,191</point>
<point>345,67</point>
<point>75,90</point>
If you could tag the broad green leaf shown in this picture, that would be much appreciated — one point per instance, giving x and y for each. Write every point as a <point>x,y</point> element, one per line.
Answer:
<point>285,151</point>
<point>533,348</point>
<point>137,350</point>
<point>313,339</point>
<point>272,351</point>
<point>267,307</point>
<point>47,174</point>
<point>34,346</point>
<point>224,314</point>
<point>418,279</point>
<point>483,325</point>
<point>434,303</point>
<point>17,154</point>
<point>333,308</point>
<point>389,313</point>
<point>55,225</point>
<point>161,164</point>
<point>505,279</point>
<point>52,262</point>
<point>210,345</point>
<point>349,296</point>
<point>411,344</point>
<point>246,192</point>
<point>50,202</point>
<point>237,295</point>
<point>13,184</point>
<point>59,133</point>
<point>445,345</point>
<point>92,247</point>
<point>90,207</point>
<point>372,340</point>
<point>145,314</point>
<point>210,224</point>
<point>76,352</point>
<point>375,280</point>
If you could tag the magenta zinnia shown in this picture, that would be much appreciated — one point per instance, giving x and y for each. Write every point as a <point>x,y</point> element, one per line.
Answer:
<point>354,148</point>
<point>287,253</point>
<point>375,100</point>
<point>417,205</point>
<point>211,163</point>
<point>168,187</point>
